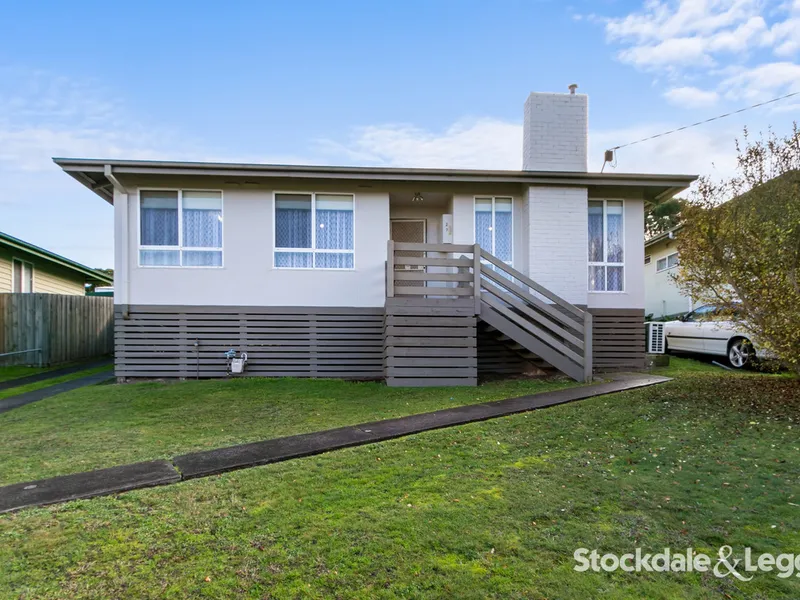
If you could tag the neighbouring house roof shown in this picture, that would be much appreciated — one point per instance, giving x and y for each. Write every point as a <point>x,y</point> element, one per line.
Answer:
<point>91,275</point>
<point>793,176</point>
<point>669,234</point>
<point>100,175</point>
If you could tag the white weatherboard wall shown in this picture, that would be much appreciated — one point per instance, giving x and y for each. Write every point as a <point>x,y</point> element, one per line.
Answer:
<point>248,277</point>
<point>558,224</point>
<point>555,132</point>
<point>662,295</point>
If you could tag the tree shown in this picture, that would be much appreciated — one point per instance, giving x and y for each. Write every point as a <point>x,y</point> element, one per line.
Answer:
<point>740,244</point>
<point>663,216</point>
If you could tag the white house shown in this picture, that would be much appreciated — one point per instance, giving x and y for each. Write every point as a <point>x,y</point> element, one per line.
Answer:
<point>419,276</point>
<point>662,296</point>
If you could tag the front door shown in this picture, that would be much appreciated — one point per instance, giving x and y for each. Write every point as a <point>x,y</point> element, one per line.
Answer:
<point>412,231</point>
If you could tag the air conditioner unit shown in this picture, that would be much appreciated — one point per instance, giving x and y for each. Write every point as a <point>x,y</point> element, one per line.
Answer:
<point>655,338</point>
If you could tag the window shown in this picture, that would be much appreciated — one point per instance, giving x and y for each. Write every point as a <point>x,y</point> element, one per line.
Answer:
<point>647,259</point>
<point>314,231</point>
<point>180,228</point>
<point>704,313</point>
<point>662,264</point>
<point>22,274</point>
<point>606,246</point>
<point>494,226</point>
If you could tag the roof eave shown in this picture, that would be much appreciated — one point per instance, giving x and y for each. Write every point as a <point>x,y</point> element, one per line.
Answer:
<point>668,185</point>
<point>89,273</point>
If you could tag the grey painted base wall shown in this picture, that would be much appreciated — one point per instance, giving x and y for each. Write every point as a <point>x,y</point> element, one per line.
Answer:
<point>344,342</point>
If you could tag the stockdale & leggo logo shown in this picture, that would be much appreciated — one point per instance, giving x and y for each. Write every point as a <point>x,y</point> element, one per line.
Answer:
<point>724,564</point>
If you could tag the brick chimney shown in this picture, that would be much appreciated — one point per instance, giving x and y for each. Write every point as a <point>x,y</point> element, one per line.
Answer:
<point>555,132</point>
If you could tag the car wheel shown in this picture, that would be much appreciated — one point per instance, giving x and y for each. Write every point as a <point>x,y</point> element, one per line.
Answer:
<point>740,353</point>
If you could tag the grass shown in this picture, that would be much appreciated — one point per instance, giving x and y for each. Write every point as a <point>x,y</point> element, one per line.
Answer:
<point>15,391</point>
<point>488,510</point>
<point>15,372</point>
<point>103,426</point>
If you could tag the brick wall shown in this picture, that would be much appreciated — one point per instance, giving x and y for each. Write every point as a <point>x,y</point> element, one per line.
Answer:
<point>558,228</point>
<point>555,132</point>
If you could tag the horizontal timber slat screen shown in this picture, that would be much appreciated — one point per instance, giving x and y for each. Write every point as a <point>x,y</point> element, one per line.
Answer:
<point>55,328</point>
<point>190,341</point>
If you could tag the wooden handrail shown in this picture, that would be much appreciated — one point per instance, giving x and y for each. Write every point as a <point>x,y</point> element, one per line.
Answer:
<point>390,270</point>
<point>587,347</point>
<point>416,247</point>
<point>476,272</point>
<point>540,305</point>
<point>532,284</point>
<point>522,307</point>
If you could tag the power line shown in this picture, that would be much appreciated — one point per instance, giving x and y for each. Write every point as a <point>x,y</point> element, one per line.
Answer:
<point>741,110</point>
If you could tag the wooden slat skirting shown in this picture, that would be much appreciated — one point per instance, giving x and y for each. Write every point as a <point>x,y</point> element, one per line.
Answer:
<point>618,339</point>
<point>430,341</point>
<point>159,341</point>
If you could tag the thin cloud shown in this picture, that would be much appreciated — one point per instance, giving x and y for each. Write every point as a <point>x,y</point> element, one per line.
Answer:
<point>691,97</point>
<point>688,39</point>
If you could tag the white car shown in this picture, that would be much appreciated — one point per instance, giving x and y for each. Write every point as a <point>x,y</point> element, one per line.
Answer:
<point>704,331</point>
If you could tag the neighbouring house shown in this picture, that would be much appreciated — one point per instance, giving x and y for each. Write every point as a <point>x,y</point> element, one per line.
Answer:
<point>662,296</point>
<point>25,268</point>
<point>418,276</point>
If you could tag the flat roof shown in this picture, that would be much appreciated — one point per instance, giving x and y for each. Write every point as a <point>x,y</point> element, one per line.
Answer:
<point>97,174</point>
<point>91,274</point>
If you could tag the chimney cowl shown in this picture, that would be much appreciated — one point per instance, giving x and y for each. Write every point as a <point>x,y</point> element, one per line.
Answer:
<point>573,87</point>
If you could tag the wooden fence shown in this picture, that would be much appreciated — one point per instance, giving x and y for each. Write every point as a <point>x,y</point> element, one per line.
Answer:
<point>56,328</point>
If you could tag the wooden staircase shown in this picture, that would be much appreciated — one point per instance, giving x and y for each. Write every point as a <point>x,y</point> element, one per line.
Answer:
<point>499,354</point>
<point>441,347</point>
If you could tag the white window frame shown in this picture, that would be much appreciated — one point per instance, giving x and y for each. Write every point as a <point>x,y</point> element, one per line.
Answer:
<point>313,248</point>
<point>474,237</point>
<point>605,262</point>
<point>180,247</point>
<point>25,265</point>
<point>666,262</point>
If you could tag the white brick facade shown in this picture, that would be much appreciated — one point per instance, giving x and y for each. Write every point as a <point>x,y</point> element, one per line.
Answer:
<point>555,132</point>
<point>558,228</point>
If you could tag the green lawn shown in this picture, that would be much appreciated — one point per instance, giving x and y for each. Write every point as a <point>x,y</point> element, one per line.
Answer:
<point>488,510</point>
<point>107,425</point>
<point>15,372</point>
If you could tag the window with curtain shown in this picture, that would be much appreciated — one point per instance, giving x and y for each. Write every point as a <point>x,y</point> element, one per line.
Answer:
<point>180,228</point>
<point>606,246</point>
<point>314,231</point>
<point>494,226</point>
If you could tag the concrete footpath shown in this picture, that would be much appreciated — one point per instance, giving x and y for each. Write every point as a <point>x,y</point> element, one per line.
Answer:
<point>13,402</point>
<point>210,462</point>
<point>53,373</point>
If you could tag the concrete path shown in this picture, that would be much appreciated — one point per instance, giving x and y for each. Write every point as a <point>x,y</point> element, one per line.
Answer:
<point>20,381</point>
<point>202,464</point>
<point>13,402</point>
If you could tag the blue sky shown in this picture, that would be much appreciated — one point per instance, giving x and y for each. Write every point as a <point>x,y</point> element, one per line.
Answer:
<point>437,83</point>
